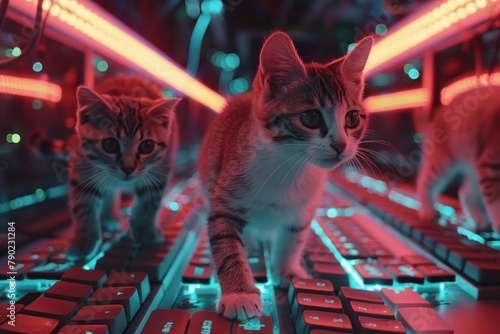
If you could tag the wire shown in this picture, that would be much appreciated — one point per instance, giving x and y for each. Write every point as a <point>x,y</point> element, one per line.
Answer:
<point>3,12</point>
<point>38,28</point>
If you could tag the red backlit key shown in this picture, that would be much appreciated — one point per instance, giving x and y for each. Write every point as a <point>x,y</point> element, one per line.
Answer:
<point>264,325</point>
<point>406,274</point>
<point>51,308</point>
<point>373,273</point>
<point>155,267</point>
<point>399,298</point>
<point>370,310</point>
<point>332,272</point>
<point>347,294</point>
<point>324,320</point>
<point>69,291</point>
<point>139,280</point>
<point>484,272</point>
<point>423,320</point>
<point>112,316</point>
<point>311,301</point>
<point>383,326</point>
<point>319,286</point>
<point>95,278</point>
<point>433,274</point>
<point>84,329</point>
<point>126,296</point>
<point>208,322</point>
<point>167,321</point>
<point>7,309</point>
<point>324,331</point>
<point>391,261</point>
<point>29,324</point>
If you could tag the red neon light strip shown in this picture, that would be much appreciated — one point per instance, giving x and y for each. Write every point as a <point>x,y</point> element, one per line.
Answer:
<point>397,101</point>
<point>37,89</point>
<point>449,92</point>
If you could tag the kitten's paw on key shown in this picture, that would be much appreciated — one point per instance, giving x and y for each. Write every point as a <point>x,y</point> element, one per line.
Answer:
<point>240,306</point>
<point>283,277</point>
<point>83,249</point>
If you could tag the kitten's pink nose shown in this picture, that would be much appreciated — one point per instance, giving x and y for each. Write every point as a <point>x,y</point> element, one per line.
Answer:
<point>339,147</point>
<point>128,170</point>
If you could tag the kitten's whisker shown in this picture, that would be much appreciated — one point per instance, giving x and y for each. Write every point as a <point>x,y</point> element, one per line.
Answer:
<point>291,170</point>
<point>297,171</point>
<point>275,170</point>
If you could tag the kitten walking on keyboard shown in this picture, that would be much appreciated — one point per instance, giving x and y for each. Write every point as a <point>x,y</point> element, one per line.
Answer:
<point>464,140</point>
<point>265,159</point>
<point>126,141</point>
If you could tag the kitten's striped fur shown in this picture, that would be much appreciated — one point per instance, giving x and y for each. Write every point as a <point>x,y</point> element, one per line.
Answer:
<point>263,170</point>
<point>116,129</point>
<point>464,139</point>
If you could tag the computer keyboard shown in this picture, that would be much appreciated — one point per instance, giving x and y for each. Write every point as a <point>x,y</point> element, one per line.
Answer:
<point>373,268</point>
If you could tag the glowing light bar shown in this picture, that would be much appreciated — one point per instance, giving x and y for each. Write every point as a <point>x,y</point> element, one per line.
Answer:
<point>37,89</point>
<point>449,92</point>
<point>89,27</point>
<point>396,101</point>
<point>432,26</point>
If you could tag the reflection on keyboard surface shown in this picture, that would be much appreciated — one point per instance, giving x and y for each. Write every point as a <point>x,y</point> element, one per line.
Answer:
<point>382,271</point>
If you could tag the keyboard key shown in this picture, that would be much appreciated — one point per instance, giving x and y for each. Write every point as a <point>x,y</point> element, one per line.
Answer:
<point>46,307</point>
<point>112,316</point>
<point>373,273</point>
<point>208,322</point>
<point>370,325</point>
<point>308,285</point>
<point>391,261</point>
<point>324,320</point>
<point>457,258</point>
<point>331,272</point>
<point>139,280</point>
<point>20,271</point>
<point>423,320</point>
<point>30,324</point>
<point>416,260</point>
<point>370,310</point>
<point>84,329</point>
<point>197,274</point>
<point>483,272</point>
<point>406,274</point>
<point>311,301</point>
<point>348,294</point>
<point>167,321</point>
<point>435,274</point>
<point>95,278</point>
<point>6,309</point>
<point>69,291</point>
<point>398,298</point>
<point>156,268</point>
<point>126,296</point>
<point>264,325</point>
<point>112,263</point>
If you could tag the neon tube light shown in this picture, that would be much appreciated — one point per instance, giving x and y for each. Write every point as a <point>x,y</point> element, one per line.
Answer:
<point>93,28</point>
<point>431,26</point>
<point>449,92</point>
<point>396,101</point>
<point>37,89</point>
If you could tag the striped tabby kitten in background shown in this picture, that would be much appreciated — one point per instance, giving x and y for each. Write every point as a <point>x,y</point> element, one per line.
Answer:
<point>463,139</point>
<point>265,159</point>
<point>126,141</point>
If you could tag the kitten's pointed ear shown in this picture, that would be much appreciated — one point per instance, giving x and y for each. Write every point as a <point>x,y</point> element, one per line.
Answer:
<point>355,61</point>
<point>91,107</point>
<point>279,61</point>
<point>162,111</point>
<point>88,98</point>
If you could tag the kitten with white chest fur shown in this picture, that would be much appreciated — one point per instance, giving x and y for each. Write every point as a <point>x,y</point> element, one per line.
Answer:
<point>265,159</point>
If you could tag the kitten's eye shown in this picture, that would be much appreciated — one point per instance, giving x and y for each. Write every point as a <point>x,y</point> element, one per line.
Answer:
<point>110,145</point>
<point>352,119</point>
<point>146,146</point>
<point>311,118</point>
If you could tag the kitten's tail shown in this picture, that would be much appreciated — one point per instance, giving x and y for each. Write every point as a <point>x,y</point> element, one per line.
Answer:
<point>46,146</point>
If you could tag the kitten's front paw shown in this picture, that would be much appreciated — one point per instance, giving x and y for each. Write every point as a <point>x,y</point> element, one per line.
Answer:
<point>240,306</point>
<point>83,249</point>
<point>283,277</point>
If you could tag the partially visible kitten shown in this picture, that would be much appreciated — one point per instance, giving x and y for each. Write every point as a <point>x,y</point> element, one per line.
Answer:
<point>126,141</point>
<point>265,159</point>
<point>464,139</point>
